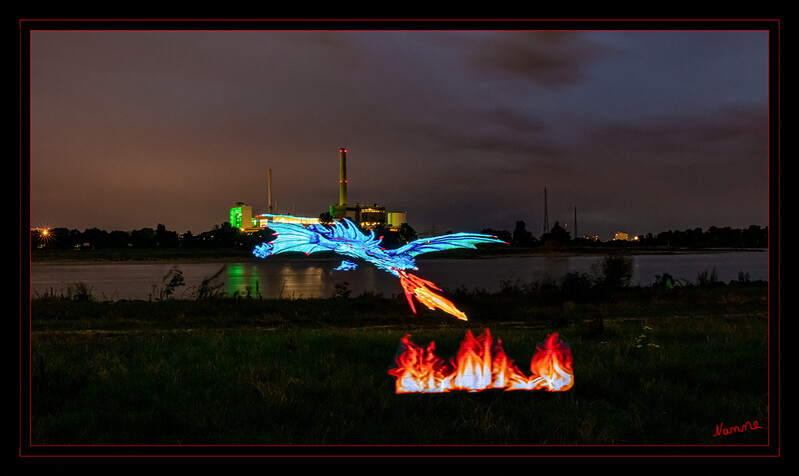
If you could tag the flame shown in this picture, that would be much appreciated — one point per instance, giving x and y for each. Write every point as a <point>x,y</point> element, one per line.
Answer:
<point>553,366</point>
<point>481,364</point>
<point>420,288</point>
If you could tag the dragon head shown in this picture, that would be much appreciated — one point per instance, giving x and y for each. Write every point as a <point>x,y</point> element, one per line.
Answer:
<point>263,250</point>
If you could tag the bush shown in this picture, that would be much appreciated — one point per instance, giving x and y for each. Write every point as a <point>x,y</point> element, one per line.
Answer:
<point>171,280</point>
<point>576,287</point>
<point>208,289</point>
<point>614,271</point>
<point>665,281</point>
<point>707,278</point>
<point>82,292</point>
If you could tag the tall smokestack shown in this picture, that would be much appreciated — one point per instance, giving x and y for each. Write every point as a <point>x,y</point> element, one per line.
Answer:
<point>270,192</point>
<point>546,212</point>
<point>342,185</point>
<point>575,223</point>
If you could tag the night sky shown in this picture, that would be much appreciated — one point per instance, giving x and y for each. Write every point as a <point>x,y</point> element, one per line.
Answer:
<point>641,131</point>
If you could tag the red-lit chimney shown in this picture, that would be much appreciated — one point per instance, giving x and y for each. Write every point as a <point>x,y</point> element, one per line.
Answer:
<point>342,186</point>
<point>269,204</point>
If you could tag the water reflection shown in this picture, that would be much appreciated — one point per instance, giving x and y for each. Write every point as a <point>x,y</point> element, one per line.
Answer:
<point>241,280</point>
<point>300,279</point>
<point>297,281</point>
<point>305,278</point>
<point>273,280</point>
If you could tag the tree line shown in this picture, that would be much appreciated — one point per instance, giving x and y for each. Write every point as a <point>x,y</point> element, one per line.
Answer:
<point>221,236</point>
<point>714,237</point>
<point>753,236</point>
<point>226,236</point>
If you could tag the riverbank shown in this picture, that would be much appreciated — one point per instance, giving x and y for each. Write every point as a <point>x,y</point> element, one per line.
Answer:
<point>238,255</point>
<point>651,367</point>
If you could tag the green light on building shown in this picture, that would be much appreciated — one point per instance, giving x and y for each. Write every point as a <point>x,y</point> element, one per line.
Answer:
<point>241,217</point>
<point>235,217</point>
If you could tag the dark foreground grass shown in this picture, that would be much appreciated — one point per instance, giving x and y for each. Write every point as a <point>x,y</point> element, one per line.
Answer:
<point>648,371</point>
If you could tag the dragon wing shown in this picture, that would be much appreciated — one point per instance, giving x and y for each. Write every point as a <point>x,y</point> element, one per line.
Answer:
<point>345,238</point>
<point>444,242</point>
<point>291,237</point>
<point>341,237</point>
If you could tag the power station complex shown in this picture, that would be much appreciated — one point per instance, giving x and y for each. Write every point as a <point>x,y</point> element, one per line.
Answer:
<point>366,216</point>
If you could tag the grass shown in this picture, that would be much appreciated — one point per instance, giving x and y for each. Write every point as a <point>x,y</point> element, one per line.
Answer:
<point>651,367</point>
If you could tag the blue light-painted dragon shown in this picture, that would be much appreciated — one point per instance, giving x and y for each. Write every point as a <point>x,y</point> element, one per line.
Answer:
<point>344,238</point>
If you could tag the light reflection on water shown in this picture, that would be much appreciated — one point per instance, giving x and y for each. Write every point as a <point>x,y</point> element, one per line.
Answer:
<point>310,277</point>
<point>299,280</point>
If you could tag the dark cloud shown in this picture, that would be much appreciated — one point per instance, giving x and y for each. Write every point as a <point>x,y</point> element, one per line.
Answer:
<point>710,168</point>
<point>642,130</point>
<point>547,58</point>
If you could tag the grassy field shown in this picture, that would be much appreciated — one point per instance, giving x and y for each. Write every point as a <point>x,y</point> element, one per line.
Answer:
<point>651,367</point>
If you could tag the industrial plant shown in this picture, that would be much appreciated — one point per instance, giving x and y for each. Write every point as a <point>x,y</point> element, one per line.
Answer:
<point>367,217</point>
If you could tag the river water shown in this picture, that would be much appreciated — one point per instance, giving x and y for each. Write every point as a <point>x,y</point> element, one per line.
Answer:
<point>303,278</point>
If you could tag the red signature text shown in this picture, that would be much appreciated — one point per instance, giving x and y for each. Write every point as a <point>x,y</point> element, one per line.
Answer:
<point>750,425</point>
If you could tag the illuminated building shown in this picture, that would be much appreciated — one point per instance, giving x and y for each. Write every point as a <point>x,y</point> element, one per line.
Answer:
<point>366,216</point>
<point>241,216</point>
<point>263,220</point>
<point>396,220</point>
<point>624,237</point>
<point>371,217</point>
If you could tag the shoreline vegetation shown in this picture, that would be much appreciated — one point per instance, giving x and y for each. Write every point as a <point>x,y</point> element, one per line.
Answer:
<point>224,242</point>
<point>655,365</point>
<point>234,254</point>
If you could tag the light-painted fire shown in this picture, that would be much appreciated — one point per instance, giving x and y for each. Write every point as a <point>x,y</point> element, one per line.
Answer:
<point>416,286</point>
<point>481,364</point>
